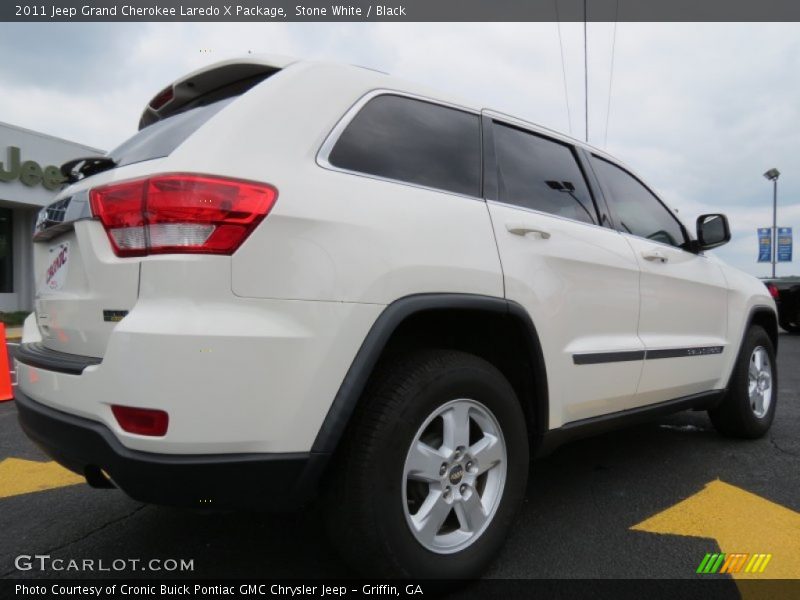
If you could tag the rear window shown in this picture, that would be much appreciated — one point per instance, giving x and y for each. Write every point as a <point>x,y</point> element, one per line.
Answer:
<point>413,141</point>
<point>162,137</point>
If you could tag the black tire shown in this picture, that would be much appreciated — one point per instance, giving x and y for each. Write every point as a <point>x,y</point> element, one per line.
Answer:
<point>735,416</point>
<point>364,501</point>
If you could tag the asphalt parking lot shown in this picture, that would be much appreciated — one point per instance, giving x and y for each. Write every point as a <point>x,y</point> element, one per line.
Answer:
<point>646,502</point>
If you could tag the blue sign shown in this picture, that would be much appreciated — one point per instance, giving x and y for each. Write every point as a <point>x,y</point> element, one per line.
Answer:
<point>784,244</point>
<point>764,244</point>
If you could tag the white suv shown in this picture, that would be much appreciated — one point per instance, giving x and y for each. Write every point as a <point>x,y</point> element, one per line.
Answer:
<point>301,279</point>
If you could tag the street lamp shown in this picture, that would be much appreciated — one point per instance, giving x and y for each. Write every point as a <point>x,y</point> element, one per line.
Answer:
<point>773,175</point>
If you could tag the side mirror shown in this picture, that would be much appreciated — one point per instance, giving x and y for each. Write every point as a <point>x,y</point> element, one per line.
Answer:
<point>712,231</point>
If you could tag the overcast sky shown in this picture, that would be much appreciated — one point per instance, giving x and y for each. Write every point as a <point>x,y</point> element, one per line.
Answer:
<point>700,111</point>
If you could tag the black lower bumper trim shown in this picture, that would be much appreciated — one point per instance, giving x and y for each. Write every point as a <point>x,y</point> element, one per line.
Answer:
<point>37,355</point>
<point>218,481</point>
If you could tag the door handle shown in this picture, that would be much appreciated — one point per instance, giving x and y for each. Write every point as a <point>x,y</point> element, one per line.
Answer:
<point>655,255</point>
<point>522,229</point>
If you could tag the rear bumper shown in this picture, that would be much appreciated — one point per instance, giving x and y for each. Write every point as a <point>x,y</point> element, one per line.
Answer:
<point>211,481</point>
<point>37,355</point>
<point>235,375</point>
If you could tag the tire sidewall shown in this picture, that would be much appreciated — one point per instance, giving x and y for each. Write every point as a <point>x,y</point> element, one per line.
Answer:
<point>490,389</point>
<point>756,426</point>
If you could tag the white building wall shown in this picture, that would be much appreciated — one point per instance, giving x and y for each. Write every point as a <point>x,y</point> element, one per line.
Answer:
<point>25,200</point>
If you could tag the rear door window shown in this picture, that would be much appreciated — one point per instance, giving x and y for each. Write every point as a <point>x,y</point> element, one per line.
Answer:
<point>413,141</point>
<point>541,174</point>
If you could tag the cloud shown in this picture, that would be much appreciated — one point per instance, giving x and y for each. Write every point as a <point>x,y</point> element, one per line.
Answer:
<point>698,110</point>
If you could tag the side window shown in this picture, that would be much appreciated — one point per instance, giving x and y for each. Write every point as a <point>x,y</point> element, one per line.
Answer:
<point>638,211</point>
<point>542,174</point>
<point>413,141</point>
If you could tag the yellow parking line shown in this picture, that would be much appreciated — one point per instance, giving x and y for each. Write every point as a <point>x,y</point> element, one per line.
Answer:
<point>740,522</point>
<point>19,476</point>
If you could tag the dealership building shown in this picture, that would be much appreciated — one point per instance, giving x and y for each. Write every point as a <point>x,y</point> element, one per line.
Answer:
<point>29,179</point>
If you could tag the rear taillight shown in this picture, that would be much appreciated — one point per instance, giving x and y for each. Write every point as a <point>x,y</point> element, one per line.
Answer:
<point>180,213</point>
<point>141,421</point>
<point>773,290</point>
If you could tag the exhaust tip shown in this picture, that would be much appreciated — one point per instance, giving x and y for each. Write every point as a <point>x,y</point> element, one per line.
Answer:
<point>98,478</point>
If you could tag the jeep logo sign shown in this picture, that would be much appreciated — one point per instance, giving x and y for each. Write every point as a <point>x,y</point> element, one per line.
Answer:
<point>29,172</point>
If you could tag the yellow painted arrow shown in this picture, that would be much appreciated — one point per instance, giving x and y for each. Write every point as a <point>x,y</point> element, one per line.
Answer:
<point>741,522</point>
<point>19,476</point>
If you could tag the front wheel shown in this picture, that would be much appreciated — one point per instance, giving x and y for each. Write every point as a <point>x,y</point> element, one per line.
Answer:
<point>748,408</point>
<point>433,469</point>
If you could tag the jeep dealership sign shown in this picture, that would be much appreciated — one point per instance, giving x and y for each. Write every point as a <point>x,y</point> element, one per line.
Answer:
<point>29,172</point>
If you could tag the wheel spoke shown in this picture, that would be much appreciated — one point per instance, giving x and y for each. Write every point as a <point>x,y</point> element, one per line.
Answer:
<point>456,426</point>
<point>487,452</point>
<point>754,394</point>
<point>753,371</point>
<point>430,516</point>
<point>470,512</point>
<point>423,463</point>
<point>757,359</point>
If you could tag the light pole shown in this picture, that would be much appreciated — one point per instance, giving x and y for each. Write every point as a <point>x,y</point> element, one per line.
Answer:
<point>773,175</point>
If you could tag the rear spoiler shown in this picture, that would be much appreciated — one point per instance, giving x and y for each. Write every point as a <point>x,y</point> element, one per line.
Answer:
<point>210,84</point>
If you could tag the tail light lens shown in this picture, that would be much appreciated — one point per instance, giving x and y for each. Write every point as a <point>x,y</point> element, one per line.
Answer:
<point>773,290</point>
<point>141,421</point>
<point>181,213</point>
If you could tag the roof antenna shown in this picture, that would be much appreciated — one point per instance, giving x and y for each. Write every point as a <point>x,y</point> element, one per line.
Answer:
<point>563,67</point>
<point>611,74</point>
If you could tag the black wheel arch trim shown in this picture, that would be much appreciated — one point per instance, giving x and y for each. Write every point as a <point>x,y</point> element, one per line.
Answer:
<point>355,381</point>
<point>762,309</point>
<point>394,314</point>
<point>751,316</point>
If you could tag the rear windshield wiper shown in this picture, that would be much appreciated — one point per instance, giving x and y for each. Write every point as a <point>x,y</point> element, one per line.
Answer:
<point>79,168</point>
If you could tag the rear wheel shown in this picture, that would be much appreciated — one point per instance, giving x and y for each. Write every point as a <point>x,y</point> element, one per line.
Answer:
<point>432,471</point>
<point>749,406</point>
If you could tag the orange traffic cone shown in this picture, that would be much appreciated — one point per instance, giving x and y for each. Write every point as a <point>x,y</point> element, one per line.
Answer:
<point>6,392</point>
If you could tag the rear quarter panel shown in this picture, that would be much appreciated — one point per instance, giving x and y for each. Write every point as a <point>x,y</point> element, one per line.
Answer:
<point>335,236</point>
